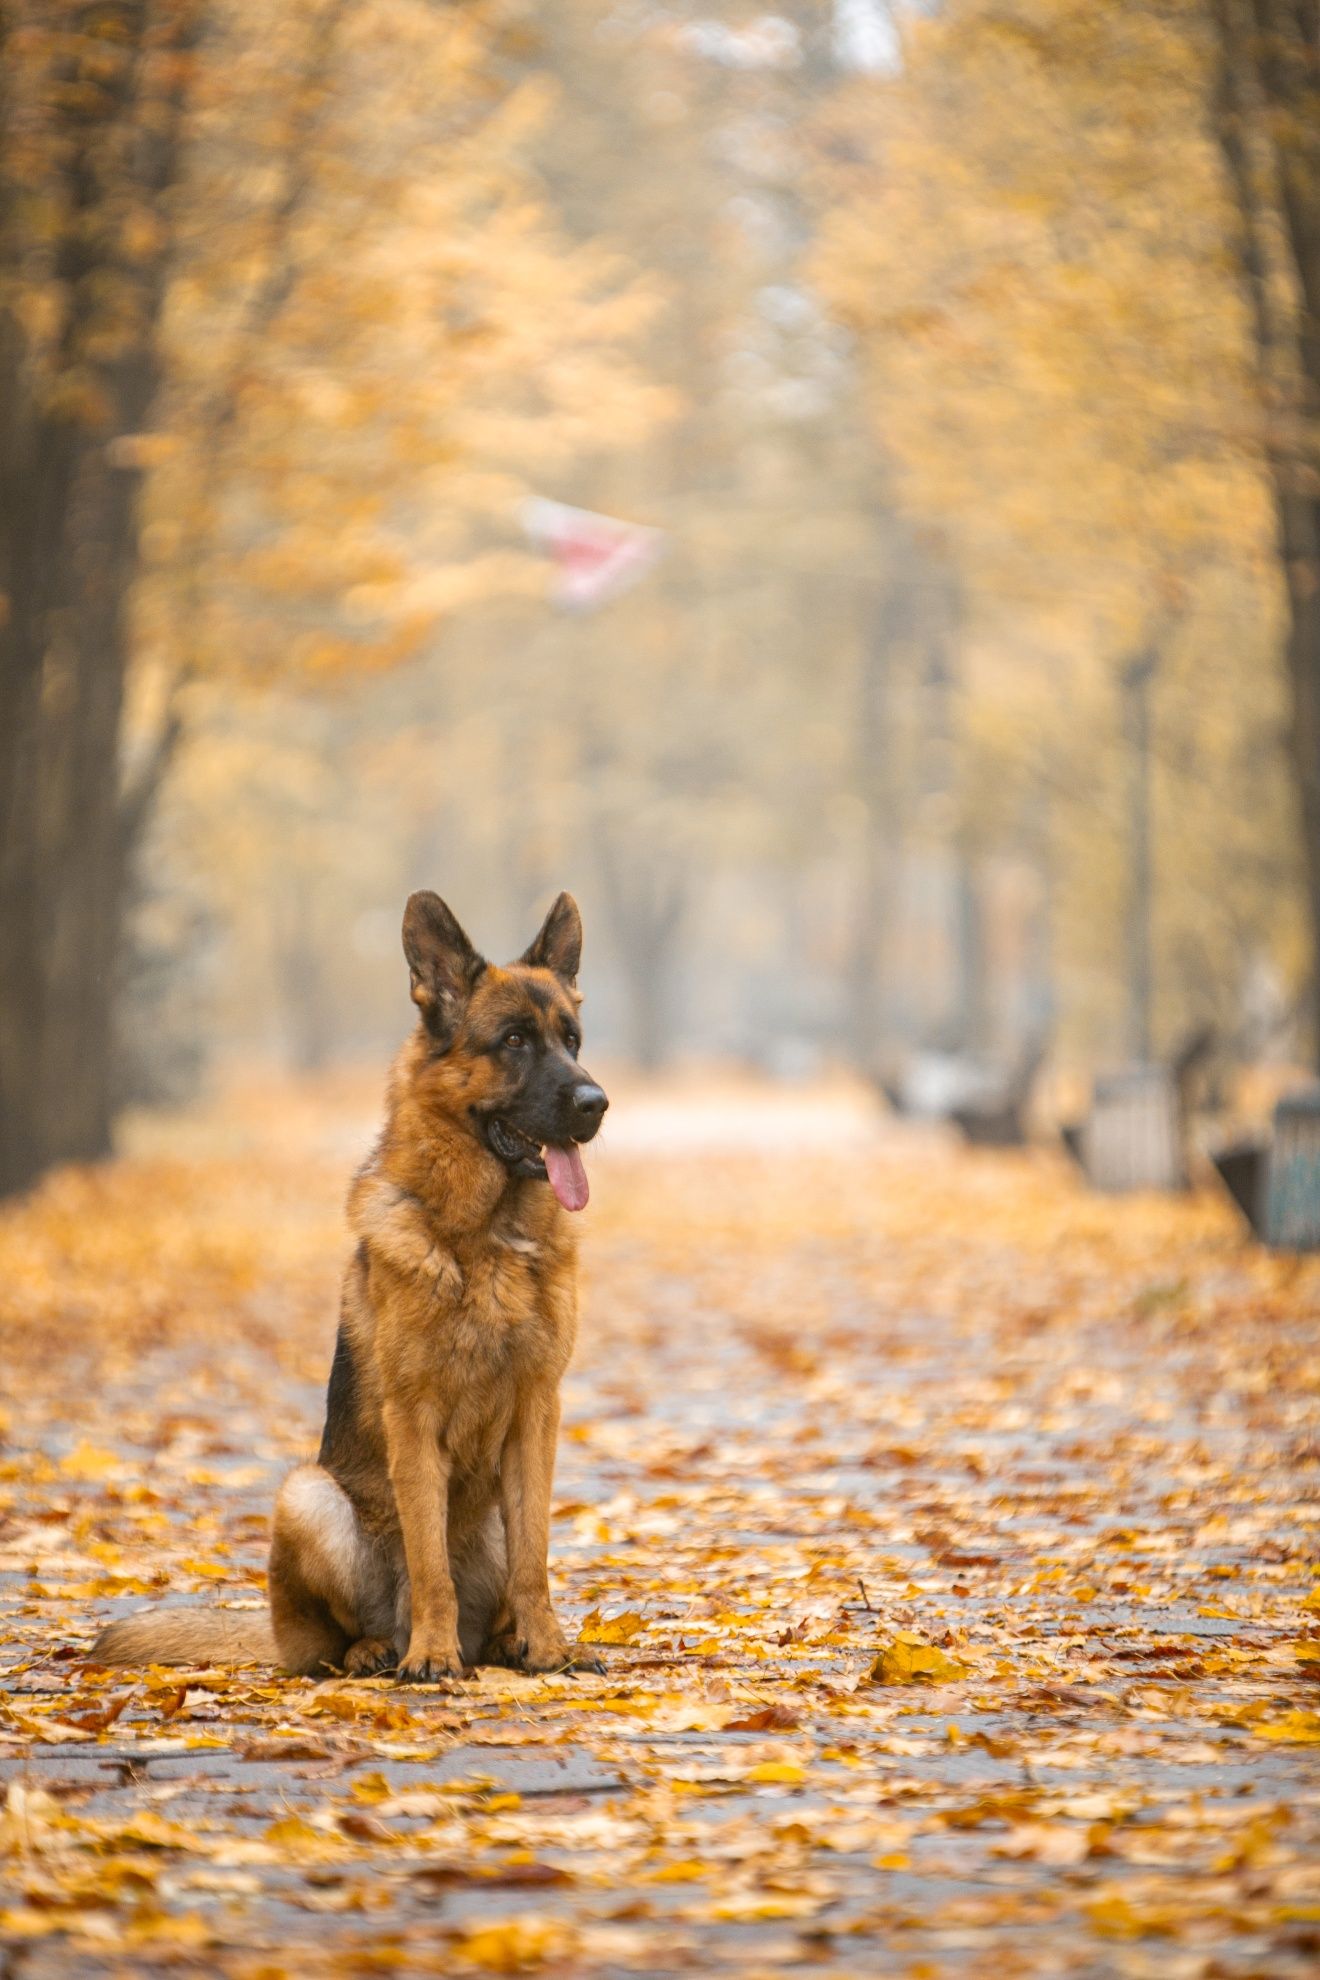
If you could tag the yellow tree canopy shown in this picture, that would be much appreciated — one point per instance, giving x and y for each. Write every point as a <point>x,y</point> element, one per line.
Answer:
<point>1029,231</point>
<point>375,336</point>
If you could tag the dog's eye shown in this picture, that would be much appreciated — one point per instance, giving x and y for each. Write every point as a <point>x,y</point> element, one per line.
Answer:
<point>573,1041</point>
<point>515,1038</point>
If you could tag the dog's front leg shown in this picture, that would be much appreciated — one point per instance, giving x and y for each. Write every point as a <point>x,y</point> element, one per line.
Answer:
<point>527,1466</point>
<point>419,1473</point>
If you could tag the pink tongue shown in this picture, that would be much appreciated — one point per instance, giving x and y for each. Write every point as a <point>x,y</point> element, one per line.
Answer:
<point>568,1178</point>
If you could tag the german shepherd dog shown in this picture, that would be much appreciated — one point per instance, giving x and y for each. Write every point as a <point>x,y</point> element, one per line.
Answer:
<point>418,1539</point>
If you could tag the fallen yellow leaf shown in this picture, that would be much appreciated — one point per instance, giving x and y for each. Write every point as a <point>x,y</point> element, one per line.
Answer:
<point>512,1945</point>
<point>688,1871</point>
<point>1296,1728</point>
<point>908,1660</point>
<point>777,1770</point>
<point>612,1629</point>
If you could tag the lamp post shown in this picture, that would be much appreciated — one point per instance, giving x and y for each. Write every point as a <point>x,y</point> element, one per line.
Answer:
<point>1137,678</point>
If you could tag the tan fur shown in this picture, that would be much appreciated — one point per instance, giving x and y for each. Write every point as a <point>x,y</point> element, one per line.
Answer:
<point>187,1636</point>
<point>461,1310</point>
<point>422,1534</point>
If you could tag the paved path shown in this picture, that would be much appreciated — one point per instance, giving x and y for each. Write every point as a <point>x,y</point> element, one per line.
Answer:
<point>947,1531</point>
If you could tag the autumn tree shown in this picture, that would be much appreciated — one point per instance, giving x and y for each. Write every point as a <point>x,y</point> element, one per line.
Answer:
<point>284,328</point>
<point>739,745</point>
<point>92,111</point>
<point>1265,107</point>
<point>1027,231</point>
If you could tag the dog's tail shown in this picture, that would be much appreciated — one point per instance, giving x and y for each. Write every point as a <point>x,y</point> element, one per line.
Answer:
<point>187,1636</point>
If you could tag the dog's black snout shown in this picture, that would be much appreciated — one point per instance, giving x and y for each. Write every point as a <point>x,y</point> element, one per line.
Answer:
<point>587,1103</point>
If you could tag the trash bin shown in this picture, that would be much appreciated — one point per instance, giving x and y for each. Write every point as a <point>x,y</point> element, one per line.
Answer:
<point>1292,1191</point>
<point>1133,1137</point>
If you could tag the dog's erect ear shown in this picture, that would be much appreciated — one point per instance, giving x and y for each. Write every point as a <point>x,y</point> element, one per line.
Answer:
<point>442,962</point>
<point>558,945</point>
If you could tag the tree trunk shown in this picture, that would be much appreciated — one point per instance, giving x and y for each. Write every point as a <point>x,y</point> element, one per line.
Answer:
<point>300,959</point>
<point>87,841</point>
<point>888,623</point>
<point>969,1030</point>
<point>1299,527</point>
<point>107,107</point>
<point>24,577</point>
<point>1140,970</point>
<point>645,908</point>
<point>40,456</point>
<point>1288,60</point>
<point>1266,115</point>
<point>649,982</point>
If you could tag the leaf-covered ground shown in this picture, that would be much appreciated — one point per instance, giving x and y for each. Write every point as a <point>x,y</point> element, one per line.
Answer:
<point>949,1531</point>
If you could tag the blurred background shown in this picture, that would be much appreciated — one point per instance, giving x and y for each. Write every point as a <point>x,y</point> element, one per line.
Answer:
<point>836,487</point>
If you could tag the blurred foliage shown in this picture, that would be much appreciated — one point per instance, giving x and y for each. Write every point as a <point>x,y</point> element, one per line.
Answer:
<point>375,335</point>
<point>1034,247</point>
<point>924,335</point>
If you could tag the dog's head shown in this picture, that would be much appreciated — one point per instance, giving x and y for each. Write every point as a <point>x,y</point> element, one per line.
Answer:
<point>511,1037</point>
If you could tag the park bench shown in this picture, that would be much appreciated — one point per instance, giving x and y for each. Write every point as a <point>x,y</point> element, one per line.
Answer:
<point>999,1119</point>
<point>986,1100</point>
<point>1135,1136</point>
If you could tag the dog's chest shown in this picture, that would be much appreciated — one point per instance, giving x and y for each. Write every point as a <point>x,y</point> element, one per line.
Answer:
<point>499,1344</point>
<point>501,1314</point>
<point>500,1295</point>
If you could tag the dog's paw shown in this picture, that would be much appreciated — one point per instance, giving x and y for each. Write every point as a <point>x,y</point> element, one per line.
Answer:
<point>571,1661</point>
<point>423,1666</point>
<point>369,1656</point>
<point>548,1651</point>
<point>542,1645</point>
<point>504,1650</point>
